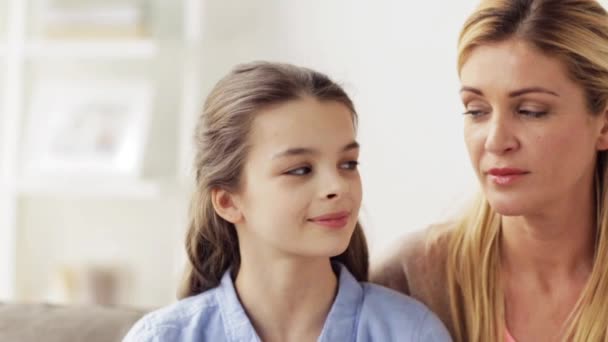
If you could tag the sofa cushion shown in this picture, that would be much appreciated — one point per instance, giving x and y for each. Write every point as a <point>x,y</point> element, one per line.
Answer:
<point>55,323</point>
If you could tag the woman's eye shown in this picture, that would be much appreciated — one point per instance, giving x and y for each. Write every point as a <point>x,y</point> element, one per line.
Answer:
<point>350,165</point>
<point>532,113</point>
<point>474,112</point>
<point>301,171</point>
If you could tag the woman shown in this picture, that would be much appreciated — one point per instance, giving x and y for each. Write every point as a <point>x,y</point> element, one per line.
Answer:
<point>528,262</point>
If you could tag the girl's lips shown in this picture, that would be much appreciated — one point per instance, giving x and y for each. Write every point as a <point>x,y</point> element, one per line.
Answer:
<point>332,220</point>
<point>506,171</point>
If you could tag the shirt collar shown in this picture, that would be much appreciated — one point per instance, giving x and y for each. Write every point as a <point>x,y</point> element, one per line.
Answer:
<point>342,320</point>
<point>340,324</point>
<point>237,325</point>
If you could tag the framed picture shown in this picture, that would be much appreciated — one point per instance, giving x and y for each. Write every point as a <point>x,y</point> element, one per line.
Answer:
<point>92,128</point>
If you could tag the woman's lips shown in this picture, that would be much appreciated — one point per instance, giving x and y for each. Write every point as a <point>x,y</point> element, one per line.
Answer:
<point>506,175</point>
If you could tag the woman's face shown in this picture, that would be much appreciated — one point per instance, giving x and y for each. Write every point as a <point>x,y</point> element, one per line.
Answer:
<point>530,136</point>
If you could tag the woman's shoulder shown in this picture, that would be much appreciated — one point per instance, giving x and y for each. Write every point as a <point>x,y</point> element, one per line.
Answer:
<point>390,313</point>
<point>416,266</point>
<point>418,254</point>
<point>385,301</point>
<point>168,323</point>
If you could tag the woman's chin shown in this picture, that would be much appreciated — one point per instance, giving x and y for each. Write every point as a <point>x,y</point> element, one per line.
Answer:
<point>509,206</point>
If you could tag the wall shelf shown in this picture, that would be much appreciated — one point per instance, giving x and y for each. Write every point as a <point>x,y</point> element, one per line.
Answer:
<point>23,57</point>
<point>84,49</point>
<point>93,188</point>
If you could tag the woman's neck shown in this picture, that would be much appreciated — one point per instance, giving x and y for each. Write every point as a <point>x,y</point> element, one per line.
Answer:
<point>545,264</point>
<point>559,238</point>
<point>287,299</point>
<point>555,244</point>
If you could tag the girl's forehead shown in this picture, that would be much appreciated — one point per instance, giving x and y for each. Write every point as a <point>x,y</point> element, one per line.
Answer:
<point>307,129</point>
<point>303,120</point>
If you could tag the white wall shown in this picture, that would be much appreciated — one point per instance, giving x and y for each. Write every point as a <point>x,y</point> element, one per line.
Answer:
<point>141,237</point>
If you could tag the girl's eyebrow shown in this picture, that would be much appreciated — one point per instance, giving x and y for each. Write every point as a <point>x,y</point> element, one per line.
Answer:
<point>297,151</point>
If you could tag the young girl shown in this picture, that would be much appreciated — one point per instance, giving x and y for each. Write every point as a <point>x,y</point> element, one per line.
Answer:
<point>275,249</point>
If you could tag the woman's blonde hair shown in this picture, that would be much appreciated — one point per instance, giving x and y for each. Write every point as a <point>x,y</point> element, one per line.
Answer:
<point>221,139</point>
<point>576,33</point>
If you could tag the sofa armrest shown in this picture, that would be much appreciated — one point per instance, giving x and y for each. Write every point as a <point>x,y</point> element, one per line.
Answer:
<point>56,323</point>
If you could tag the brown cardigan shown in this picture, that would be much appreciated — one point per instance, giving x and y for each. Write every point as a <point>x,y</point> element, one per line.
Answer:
<point>416,267</point>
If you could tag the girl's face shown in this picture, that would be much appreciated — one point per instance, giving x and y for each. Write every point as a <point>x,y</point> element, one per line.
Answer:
<point>530,136</point>
<point>300,192</point>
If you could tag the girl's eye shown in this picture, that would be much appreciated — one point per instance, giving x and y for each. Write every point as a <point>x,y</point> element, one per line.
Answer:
<point>531,113</point>
<point>301,171</point>
<point>350,165</point>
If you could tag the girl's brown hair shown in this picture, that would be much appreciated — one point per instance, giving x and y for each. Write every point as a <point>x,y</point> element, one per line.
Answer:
<point>221,139</point>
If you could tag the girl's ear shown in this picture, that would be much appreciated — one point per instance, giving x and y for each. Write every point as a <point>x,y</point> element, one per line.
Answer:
<point>602,140</point>
<point>225,206</point>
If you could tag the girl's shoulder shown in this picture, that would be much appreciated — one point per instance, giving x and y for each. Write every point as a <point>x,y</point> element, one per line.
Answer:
<point>390,313</point>
<point>417,266</point>
<point>168,323</point>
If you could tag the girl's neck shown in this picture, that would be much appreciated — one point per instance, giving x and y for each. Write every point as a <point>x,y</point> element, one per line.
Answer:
<point>287,299</point>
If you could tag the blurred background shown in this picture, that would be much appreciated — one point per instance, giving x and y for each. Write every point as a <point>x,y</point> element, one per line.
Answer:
<point>98,101</point>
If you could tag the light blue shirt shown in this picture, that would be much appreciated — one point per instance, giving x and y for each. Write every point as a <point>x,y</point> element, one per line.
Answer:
<point>361,312</point>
